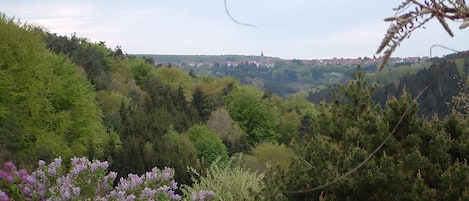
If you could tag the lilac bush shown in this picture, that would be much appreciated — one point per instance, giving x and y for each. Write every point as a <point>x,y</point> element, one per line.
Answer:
<point>88,180</point>
<point>12,182</point>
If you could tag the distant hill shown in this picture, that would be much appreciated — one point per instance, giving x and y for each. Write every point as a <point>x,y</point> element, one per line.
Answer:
<point>181,59</point>
<point>281,76</point>
<point>316,78</point>
<point>449,73</point>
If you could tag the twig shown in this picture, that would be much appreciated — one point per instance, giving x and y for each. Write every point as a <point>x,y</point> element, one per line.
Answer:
<point>442,46</point>
<point>234,20</point>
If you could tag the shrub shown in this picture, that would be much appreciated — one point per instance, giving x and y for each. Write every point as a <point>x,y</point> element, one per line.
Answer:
<point>227,181</point>
<point>87,180</point>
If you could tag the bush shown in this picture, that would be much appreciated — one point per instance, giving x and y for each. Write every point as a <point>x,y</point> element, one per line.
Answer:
<point>227,181</point>
<point>87,180</point>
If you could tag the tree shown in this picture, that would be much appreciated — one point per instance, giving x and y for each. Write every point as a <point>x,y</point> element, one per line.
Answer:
<point>421,160</point>
<point>254,116</point>
<point>289,127</point>
<point>209,147</point>
<point>46,98</point>
<point>199,102</point>
<point>269,155</point>
<point>175,150</point>
<point>225,128</point>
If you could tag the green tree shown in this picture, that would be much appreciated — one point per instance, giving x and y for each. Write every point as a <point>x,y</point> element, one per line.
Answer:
<point>47,98</point>
<point>256,117</point>
<point>289,127</point>
<point>177,151</point>
<point>209,147</point>
<point>269,155</point>
<point>199,102</point>
<point>344,137</point>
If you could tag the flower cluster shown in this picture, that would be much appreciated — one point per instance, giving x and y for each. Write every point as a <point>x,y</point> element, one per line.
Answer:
<point>88,180</point>
<point>154,185</point>
<point>12,182</point>
<point>201,195</point>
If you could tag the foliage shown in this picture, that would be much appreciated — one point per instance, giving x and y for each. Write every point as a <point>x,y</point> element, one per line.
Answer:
<point>86,180</point>
<point>174,150</point>
<point>209,146</point>
<point>253,114</point>
<point>460,102</point>
<point>138,116</point>
<point>228,182</point>
<point>414,164</point>
<point>438,95</point>
<point>269,155</point>
<point>45,98</point>
<point>228,130</point>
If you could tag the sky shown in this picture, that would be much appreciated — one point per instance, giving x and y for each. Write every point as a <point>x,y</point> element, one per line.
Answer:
<point>293,29</point>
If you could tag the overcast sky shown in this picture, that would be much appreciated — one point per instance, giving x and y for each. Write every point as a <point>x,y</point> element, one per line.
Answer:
<point>301,29</point>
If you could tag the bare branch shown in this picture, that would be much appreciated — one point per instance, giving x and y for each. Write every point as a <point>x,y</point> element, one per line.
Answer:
<point>406,20</point>
<point>234,20</point>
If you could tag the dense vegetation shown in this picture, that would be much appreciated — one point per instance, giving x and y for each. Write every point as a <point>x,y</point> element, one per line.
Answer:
<point>66,96</point>
<point>287,77</point>
<point>448,76</point>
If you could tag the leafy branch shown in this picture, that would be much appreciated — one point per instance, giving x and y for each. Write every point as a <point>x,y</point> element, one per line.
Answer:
<point>413,14</point>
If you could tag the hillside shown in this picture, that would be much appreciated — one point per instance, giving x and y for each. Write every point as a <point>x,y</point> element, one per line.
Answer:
<point>449,74</point>
<point>285,77</point>
<point>44,98</point>
<point>67,97</point>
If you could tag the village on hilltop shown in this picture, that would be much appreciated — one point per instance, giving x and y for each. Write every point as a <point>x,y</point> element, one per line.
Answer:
<point>269,62</point>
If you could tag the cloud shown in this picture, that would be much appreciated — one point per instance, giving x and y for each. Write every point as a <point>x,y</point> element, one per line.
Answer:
<point>293,29</point>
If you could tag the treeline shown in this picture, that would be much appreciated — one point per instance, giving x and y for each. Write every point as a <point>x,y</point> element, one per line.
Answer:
<point>283,79</point>
<point>66,96</point>
<point>445,78</point>
<point>291,77</point>
<point>130,113</point>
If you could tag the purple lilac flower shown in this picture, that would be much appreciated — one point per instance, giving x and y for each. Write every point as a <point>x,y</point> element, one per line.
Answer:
<point>130,197</point>
<point>66,195</point>
<point>41,163</point>
<point>98,164</point>
<point>3,174</point>
<point>202,195</point>
<point>26,191</point>
<point>135,181</point>
<point>79,165</point>
<point>112,175</point>
<point>167,172</point>
<point>148,193</point>
<point>174,184</point>
<point>163,188</point>
<point>75,160</point>
<point>52,168</point>
<point>194,197</point>
<point>9,179</point>
<point>76,191</point>
<point>152,174</point>
<point>49,180</point>
<point>173,195</point>
<point>4,196</point>
<point>23,174</point>
<point>9,166</point>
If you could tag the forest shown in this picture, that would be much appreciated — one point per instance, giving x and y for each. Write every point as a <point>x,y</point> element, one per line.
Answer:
<point>63,97</point>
